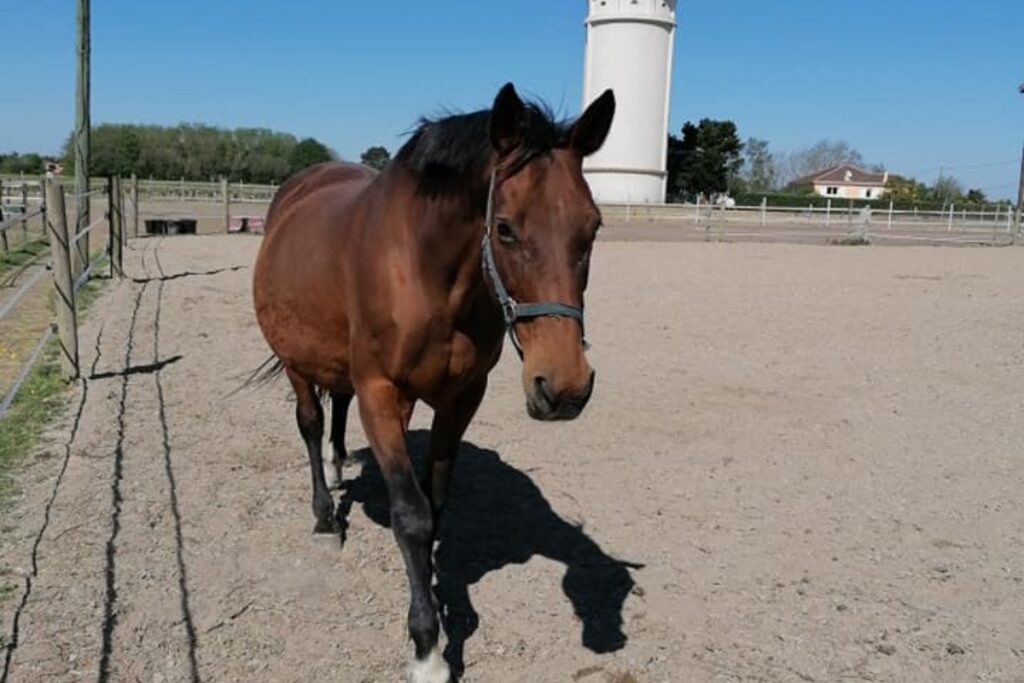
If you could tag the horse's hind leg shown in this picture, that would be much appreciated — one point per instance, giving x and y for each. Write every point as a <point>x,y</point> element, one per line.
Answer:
<point>339,416</point>
<point>310,416</point>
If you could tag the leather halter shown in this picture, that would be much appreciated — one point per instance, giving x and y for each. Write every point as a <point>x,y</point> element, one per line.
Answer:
<point>511,310</point>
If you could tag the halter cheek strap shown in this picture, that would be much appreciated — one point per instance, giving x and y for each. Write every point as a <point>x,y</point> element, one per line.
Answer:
<point>511,310</point>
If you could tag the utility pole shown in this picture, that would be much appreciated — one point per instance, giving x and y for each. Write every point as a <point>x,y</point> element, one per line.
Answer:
<point>1020,192</point>
<point>1020,185</point>
<point>80,257</point>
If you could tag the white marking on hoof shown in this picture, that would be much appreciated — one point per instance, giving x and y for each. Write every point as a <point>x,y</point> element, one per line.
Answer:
<point>433,669</point>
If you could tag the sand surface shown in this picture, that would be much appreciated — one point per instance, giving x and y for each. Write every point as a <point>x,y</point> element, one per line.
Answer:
<point>800,464</point>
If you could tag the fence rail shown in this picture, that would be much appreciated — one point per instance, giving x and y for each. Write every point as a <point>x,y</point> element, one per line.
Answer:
<point>178,190</point>
<point>16,211</point>
<point>66,281</point>
<point>989,224</point>
<point>882,218</point>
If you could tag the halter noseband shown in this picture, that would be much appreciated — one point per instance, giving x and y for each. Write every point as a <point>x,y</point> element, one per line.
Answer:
<point>511,310</point>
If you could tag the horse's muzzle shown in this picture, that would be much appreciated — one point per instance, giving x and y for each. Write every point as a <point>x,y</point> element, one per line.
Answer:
<point>544,403</point>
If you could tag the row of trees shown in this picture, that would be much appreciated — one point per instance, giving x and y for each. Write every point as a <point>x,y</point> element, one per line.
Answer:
<point>14,163</point>
<point>193,152</point>
<point>711,159</point>
<point>198,152</point>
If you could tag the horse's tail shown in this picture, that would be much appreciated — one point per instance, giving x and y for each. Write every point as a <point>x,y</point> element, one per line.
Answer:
<point>267,372</point>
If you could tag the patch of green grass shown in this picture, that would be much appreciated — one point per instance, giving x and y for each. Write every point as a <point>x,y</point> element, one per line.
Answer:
<point>41,398</point>
<point>850,241</point>
<point>93,287</point>
<point>22,254</point>
<point>6,588</point>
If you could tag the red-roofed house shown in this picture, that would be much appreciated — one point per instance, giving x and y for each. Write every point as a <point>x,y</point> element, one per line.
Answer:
<point>845,181</point>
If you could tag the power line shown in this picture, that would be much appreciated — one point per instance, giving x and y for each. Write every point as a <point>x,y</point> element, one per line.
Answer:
<point>943,168</point>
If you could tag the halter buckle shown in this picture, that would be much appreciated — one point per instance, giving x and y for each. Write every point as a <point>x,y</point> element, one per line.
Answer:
<point>510,311</point>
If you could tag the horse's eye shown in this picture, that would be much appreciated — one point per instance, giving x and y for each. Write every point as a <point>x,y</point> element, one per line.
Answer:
<point>505,233</point>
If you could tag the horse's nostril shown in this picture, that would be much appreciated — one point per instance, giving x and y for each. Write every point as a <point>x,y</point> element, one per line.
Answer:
<point>544,391</point>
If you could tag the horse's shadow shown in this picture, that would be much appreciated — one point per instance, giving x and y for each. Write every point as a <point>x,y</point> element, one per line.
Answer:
<point>496,516</point>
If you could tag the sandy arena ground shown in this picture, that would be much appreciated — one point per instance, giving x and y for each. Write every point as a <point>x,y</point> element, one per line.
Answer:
<point>800,464</point>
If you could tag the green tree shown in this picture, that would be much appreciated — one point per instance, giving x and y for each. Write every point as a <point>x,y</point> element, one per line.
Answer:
<point>673,163</point>
<point>976,196</point>
<point>761,170</point>
<point>29,163</point>
<point>375,157</point>
<point>947,189</point>
<point>308,152</point>
<point>900,189</point>
<point>706,159</point>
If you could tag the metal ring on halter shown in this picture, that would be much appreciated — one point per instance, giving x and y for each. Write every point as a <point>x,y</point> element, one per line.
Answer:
<point>511,310</point>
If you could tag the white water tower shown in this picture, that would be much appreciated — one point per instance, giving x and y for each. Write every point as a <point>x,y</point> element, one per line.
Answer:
<point>629,49</point>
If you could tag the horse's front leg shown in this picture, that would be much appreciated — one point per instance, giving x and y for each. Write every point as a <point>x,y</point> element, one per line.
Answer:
<point>446,433</point>
<point>385,413</point>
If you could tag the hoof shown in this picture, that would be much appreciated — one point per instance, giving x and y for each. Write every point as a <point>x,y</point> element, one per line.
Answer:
<point>328,541</point>
<point>327,532</point>
<point>433,669</point>
<point>326,525</point>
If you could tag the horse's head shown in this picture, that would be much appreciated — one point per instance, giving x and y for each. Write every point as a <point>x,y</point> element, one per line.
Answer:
<point>544,224</point>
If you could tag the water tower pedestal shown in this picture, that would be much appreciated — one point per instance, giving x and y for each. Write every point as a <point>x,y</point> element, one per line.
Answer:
<point>629,49</point>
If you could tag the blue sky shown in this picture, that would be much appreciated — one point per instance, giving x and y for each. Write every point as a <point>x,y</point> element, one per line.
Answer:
<point>913,84</point>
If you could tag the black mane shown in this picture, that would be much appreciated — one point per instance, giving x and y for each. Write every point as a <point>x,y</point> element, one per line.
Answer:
<point>447,153</point>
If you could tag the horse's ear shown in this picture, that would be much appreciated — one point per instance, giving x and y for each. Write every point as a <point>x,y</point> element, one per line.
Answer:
<point>591,129</point>
<point>508,119</point>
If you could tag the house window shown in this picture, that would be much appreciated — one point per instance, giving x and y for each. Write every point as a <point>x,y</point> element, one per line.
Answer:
<point>831,190</point>
<point>868,194</point>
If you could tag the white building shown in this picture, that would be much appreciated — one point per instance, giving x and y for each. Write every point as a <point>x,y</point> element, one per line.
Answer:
<point>629,49</point>
<point>845,181</point>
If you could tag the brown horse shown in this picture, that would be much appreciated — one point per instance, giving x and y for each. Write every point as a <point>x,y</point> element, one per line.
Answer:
<point>399,287</point>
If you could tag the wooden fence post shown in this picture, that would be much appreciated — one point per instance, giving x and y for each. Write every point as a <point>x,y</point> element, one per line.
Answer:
<point>115,243</point>
<point>889,226</point>
<point>124,221</point>
<point>227,203</point>
<point>42,216</point>
<point>24,211</point>
<point>3,233</point>
<point>764,210</point>
<point>135,205</point>
<point>828,212</point>
<point>63,282</point>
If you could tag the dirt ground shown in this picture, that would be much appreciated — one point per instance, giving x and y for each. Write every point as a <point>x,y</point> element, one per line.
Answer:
<point>800,464</point>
